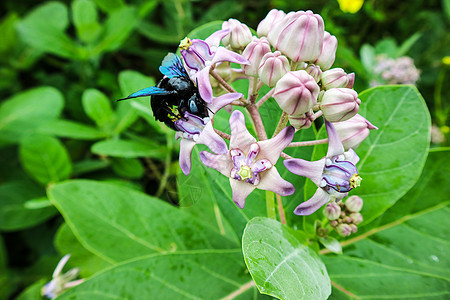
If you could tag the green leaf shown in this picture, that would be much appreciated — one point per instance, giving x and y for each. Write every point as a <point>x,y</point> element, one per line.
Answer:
<point>33,292</point>
<point>21,114</point>
<point>98,107</point>
<point>368,58</point>
<point>88,165</point>
<point>204,274</point>
<point>109,6</point>
<point>117,28</point>
<point>14,214</point>
<point>87,262</point>
<point>45,159</point>
<point>127,167</point>
<point>70,129</point>
<point>129,149</point>
<point>392,157</point>
<point>205,30</point>
<point>85,18</point>
<point>44,27</point>
<point>225,9</point>
<point>387,46</point>
<point>280,264</point>
<point>118,223</point>
<point>158,34</point>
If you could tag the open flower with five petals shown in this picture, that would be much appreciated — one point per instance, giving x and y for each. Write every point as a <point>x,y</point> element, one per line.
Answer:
<point>200,56</point>
<point>195,130</point>
<point>250,164</point>
<point>335,175</point>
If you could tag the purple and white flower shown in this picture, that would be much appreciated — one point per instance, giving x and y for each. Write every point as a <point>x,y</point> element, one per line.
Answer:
<point>335,175</point>
<point>250,164</point>
<point>195,130</point>
<point>61,282</point>
<point>200,56</point>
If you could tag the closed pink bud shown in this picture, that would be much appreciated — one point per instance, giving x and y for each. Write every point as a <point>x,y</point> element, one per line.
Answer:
<point>353,131</point>
<point>267,24</point>
<point>354,204</point>
<point>299,36</point>
<point>302,121</point>
<point>328,54</point>
<point>344,229</point>
<point>296,93</point>
<point>332,211</point>
<point>273,66</point>
<point>339,104</point>
<point>239,36</point>
<point>254,53</point>
<point>314,71</point>
<point>337,78</point>
<point>356,218</point>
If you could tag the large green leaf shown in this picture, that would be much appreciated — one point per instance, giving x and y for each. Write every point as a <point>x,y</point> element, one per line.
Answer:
<point>280,264</point>
<point>202,274</point>
<point>392,157</point>
<point>118,223</point>
<point>45,159</point>
<point>98,107</point>
<point>23,113</point>
<point>87,262</point>
<point>14,213</point>
<point>44,28</point>
<point>128,148</point>
<point>85,17</point>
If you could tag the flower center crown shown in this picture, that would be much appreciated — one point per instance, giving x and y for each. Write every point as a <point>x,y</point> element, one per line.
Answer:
<point>185,43</point>
<point>247,168</point>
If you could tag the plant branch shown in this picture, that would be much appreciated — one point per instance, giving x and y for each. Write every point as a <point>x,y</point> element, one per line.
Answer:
<point>281,210</point>
<point>265,97</point>
<point>259,126</point>
<point>227,87</point>
<point>223,134</point>
<point>282,123</point>
<point>308,143</point>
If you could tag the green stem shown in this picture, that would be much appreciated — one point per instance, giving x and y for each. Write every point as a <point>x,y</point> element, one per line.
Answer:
<point>281,210</point>
<point>270,204</point>
<point>440,115</point>
<point>167,164</point>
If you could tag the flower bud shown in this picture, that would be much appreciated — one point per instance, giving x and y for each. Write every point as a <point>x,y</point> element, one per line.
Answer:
<point>302,121</point>
<point>354,203</point>
<point>254,53</point>
<point>273,66</point>
<point>356,218</point>
<point>314,71</point>
<point>328,54</point>
<point>334,223</point>
<point>299,36</point>
<point>296,93</point>
<point>332,211</point>
<point>339,104</point>
<point>267,24</point>
<point>344,229</point>
<point>354,228</point>
<point>353,131</point>
<point>337,78</point>
<point>239,36</point>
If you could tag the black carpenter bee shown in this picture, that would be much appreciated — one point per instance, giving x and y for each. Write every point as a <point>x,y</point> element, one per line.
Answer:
<point>174,95</point>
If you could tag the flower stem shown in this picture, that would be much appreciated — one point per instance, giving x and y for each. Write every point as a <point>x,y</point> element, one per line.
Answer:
<point>223,134</point>
<point>225,85</point>
<point>281,210</point>
<point>308,143</point>
<point>259,126</point>
<point>265,98</point>
<point>282,123</point>
<point>270,204</point>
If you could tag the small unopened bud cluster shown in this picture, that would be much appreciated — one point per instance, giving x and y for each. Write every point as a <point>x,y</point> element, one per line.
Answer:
<point>344,216</point>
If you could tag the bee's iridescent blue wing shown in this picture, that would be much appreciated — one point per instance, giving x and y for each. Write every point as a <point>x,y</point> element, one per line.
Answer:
<point>172,66</point>
<point>153,90</point>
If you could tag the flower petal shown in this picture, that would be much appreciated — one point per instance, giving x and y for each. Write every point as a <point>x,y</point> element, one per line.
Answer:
<point>240,191</point>
<point>311,169</point>
<point>219,162</point>
<point>319,199</point>
<point>214,39</point>
<point>335,146</point>
<point>272,148</point>
<point>351,156</point>
<point>240,137</point>
<point>272,181</point>
<point>223,54</point>
<point>222,101</point>
<point>204,85</point>
<point>186,146</point>
<point>212,140</point>
<point>60,265</point>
